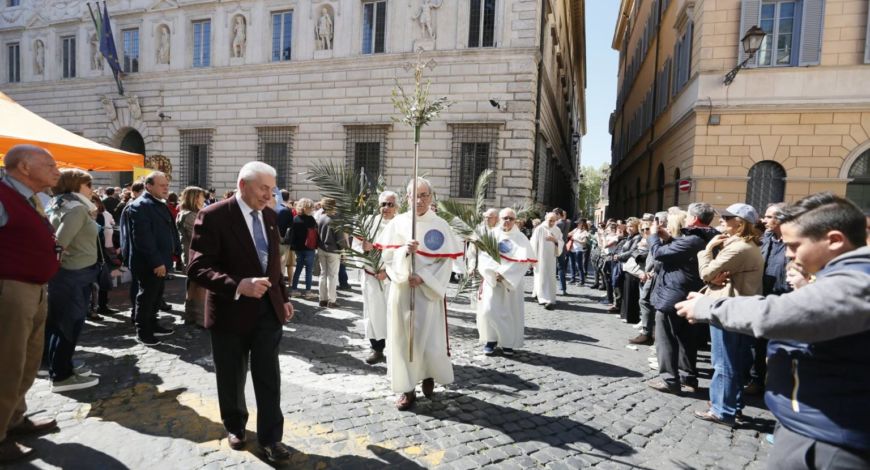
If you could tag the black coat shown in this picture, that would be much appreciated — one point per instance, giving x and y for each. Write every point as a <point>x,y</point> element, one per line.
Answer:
<point>299,230</point>
<point>153,237</point>
<point>678,272</point>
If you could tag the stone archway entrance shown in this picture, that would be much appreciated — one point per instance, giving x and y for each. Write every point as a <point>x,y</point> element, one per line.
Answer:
<point>132,142</point>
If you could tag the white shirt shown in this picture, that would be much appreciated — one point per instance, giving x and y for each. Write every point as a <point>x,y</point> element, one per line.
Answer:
<point>246,212</point>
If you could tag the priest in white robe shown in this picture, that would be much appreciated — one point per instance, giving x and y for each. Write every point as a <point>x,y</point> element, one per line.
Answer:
<point>417,347</point>
<point>500,304</point>
<point>547,243</point>
<point>376,285</point>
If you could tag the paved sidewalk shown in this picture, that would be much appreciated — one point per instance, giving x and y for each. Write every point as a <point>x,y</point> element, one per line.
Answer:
<point>573,397</point>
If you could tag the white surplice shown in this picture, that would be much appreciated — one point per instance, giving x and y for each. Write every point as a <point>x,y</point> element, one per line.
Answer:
<point>500,304</point>
<point>547,253</point>
<point>375,293</point>
<point>438,247</point>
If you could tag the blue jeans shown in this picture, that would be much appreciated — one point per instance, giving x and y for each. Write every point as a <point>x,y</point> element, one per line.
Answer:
<point>578,265</point>
<point>563,265</point>
<point>304,258</point>
<point>731,355</point>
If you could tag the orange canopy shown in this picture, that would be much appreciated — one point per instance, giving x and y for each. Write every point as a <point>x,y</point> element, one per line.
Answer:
<point>20,126</point>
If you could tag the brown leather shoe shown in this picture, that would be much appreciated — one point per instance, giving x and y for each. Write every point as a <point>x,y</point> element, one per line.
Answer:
<point>237,441</point>
<point>711,417</point>
<point>375,357</point>
<point>11,451</point>
<point>406,401</point>
<point>428,387</point>
<point>33,426</point>
<point>277,453</point>
<point>323,303</point>
<point>642,339</point>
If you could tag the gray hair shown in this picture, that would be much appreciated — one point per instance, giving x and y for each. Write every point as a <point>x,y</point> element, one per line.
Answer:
<point>492,211</point>
<point>250,171</point>
<point>552,214</point>
<point>702,211</point>
<point>387,195</point>
<point>21,152</point>
<point>505,211</point>
<point>420,182</point>
<point>149,180</point>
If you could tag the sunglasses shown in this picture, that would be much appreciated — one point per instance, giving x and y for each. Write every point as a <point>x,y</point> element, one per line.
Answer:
<point>508,218</point>
<point>388,204</point>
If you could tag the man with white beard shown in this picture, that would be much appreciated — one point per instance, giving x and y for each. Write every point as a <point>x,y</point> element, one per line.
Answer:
<point>418,348</point>
<point>376,286</point>
<point>547,243</point>
<point>500,304</point>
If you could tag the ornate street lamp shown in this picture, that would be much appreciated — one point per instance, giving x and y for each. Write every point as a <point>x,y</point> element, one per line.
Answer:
<point>751,43</point>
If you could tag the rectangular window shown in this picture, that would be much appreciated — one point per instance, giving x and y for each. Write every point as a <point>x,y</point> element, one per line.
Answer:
<point>202,43</point>
<point>778,20</point>
<point>69,57</point>
<point>473,151</point>
<point>275,147</point>
<point>196,152</point>
<point>366,150</point>
<point>481,23</point>
<point>131,50</point>
<point>13,3</point>
<point>374,27</point>
<point>282,32</point>
<point>13,55</point>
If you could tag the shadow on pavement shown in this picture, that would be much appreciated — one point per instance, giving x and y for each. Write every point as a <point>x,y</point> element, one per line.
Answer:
<point>71,456</point>
<point>519,425</point>
<point>573,365</point>
<point>479,378</point>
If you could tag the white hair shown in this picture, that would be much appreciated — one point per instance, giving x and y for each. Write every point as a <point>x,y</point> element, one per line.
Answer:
<point>553,215</point>
<point>505,211</point>
<point>386,195</point>
<point>250,171</point>
<point>420,182</point>
<point>491,212</point>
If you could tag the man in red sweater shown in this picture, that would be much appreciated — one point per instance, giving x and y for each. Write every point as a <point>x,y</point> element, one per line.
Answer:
<point>29,259</point>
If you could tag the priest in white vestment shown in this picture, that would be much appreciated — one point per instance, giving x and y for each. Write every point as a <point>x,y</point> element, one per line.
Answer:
<point>500,303</point>
<point>433,247</point>
<point>547,243</point>
<point>376,285</point>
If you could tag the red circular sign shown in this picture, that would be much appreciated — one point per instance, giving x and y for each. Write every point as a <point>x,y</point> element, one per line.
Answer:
<point>685,185</point>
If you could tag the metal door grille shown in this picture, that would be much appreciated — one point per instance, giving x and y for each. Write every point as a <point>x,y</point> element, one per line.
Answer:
<point>473,150</point>
<point>275,147</point>
<point>365,150</point>
<point>766,185</point>
<point>196,157</point>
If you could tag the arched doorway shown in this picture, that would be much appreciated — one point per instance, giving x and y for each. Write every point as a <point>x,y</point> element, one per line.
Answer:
<point>858,189</point>
<point>660,188</point>
<point>132,142</point>
<point>766,185</point>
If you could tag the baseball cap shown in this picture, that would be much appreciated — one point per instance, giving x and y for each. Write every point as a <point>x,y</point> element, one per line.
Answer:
<point>647,217</point>
<point>744,211</point>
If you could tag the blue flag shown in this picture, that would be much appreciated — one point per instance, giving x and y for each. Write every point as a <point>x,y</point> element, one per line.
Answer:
<point>107,48</point>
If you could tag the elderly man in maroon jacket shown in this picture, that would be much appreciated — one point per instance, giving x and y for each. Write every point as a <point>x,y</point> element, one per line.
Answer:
<point>235,255</point>
<point>28,260</point>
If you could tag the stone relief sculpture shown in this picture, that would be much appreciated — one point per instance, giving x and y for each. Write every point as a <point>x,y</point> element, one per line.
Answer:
<point>324,30</point>
<point>239,37</point>
<point>425,16</point>
<point>109,108</point>
<point>96,55</point>
<point>39,57</point>
<point>133,104</point>
<point>163,44</point>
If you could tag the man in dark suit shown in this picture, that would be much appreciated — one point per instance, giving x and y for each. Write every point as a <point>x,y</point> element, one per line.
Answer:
<point>111,201</point>
<point>153,239</point>
<point>235,255</point>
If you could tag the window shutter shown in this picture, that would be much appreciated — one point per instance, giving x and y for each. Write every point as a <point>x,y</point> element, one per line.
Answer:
<point>811,32</point>
<point>750,14</point>
<point>867,40</point>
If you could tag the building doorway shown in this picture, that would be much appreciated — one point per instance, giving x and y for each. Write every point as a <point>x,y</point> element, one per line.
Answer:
<point>132,142</point>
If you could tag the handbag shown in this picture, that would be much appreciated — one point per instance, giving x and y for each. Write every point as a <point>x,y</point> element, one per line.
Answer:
<point>311,239</point>
<point>569,245</point>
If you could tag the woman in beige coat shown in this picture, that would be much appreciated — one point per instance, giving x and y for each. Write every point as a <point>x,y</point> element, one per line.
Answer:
<point>731,265</point>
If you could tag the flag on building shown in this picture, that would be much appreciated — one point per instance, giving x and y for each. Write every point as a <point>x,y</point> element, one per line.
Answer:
<point>107,42</point>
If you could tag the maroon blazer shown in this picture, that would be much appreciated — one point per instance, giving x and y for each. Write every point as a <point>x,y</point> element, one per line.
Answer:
<point>222,253</point>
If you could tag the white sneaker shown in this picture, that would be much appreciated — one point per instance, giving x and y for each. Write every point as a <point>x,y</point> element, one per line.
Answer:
<point>637,325</point>
<point>74,382</point>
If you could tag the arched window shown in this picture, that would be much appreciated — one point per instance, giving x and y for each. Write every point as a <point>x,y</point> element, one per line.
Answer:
<point>858,189</point>
<point>766,184</point>
<point>660,188</point>
<point>676,186</point>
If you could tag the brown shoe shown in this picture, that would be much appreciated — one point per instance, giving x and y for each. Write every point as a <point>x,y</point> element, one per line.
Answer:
<point>375,357</point>
<point>428,387</point>
<point>661,386</point>
<point>11,451</point>
<point>406,401</point>
<point>237,441</point>
<point>711,417</point>
<point>33,426</point>
<point>332,304</point>
<point>323,303</point>
<point>642,339</point>
<point>277,453</point>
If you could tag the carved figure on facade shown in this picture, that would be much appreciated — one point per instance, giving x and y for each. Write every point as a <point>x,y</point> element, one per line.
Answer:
<point>96,55</point>
<point>163,44</point>
<point>133,105</point>
<point>425,16</point>
<point>239,37</point>
<point>325,30</point>
<point>38,57</point>
<point>109,108</point>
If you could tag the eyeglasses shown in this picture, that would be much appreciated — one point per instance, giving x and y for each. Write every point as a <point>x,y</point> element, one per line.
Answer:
<point>388,204</point>
<point>508,218</point>
<point>727,217</point>
<point>423,195</point>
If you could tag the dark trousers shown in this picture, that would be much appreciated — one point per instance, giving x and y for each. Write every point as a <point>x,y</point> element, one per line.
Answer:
<point>563,265</point>
<point>605,276</point>
<point>232,352</point>
<point>793,451</point>
<point>676,349</point>
<point>68,296</point>
<point>342,276</point>
<point>134,291</point>
<point>378,344</point>
<point>60,350</point>
<point>147,302</point>
<point>647,311</point>
<point>616,279</point>
<point>630,307</point>
<point>758,372</point>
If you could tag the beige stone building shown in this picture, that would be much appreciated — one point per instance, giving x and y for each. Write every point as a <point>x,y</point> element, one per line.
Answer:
<point>795,120</point>
<point>212,84</point>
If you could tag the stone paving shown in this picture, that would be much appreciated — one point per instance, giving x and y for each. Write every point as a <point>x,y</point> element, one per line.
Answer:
<point>573,397</point>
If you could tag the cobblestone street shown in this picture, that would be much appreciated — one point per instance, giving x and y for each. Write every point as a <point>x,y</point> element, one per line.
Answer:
<point>573,397</point>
